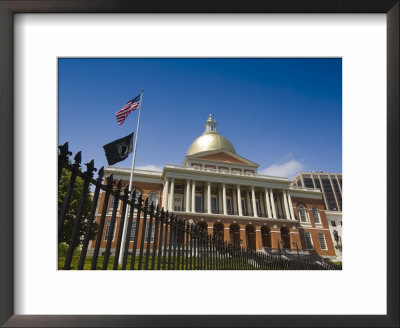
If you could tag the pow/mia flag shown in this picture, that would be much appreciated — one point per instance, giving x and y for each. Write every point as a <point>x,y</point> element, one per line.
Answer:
<point>118,150</point>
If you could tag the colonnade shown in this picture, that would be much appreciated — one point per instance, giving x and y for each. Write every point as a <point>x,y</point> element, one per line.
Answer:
<point>272,202</point>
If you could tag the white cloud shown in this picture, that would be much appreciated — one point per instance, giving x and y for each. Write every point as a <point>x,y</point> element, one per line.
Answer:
<point>150,167</point>
<point>287,169</point>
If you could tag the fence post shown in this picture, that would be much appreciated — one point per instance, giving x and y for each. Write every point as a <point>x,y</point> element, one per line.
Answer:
<point>187,245</point>
<point>74,240</point>
<point>137,228</point>
<point>143,237</point>
<point>155,240</point>
<point>112,225</point>
<point>160,249</point>
<point>102,220</point>
<point>178,243</point>
<point>165,240</point>
<point>129,229</point>
<point>91,219</point>
<point>149,233</point>
<point>67,198</point>
<point>171,218</point>
<point>192,247</point>
<point>121,227</point>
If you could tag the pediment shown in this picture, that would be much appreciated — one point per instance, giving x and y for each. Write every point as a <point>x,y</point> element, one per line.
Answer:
<point>223,157</point>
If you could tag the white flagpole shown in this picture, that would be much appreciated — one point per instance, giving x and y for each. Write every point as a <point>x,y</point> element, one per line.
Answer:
<point>122,250</point>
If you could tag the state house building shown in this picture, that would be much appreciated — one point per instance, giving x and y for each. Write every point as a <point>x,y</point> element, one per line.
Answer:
<point>222,192</point>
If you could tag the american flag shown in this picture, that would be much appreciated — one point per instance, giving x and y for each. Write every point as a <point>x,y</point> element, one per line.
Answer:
<point>130,106</point>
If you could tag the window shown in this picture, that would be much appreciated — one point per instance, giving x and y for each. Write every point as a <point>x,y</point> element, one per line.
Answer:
<point>198,203</point>
<point>309,243</point>
<point>322,242</point>
<point>333,223</point>
<point>229,206</point>
<point>302,214</point>
<point>258,207</point>
<point>133,230</point>
<point>153,226</point>
<point>177,204</point>
<point>106,235</point>
<point>308,182</point>
<point>153,198</point>
<point>315,215</point>
<point>138,193</point>
<point>214,204</point>
<point>340,223</point>
<point>112,200</point>
<point>243,207</point>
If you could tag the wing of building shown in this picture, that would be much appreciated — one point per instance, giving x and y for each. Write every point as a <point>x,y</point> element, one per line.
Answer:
<point>221,191</point>
<point>330,184</point>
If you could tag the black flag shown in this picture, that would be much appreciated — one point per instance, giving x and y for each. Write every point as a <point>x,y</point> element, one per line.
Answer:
<point>118,150</point>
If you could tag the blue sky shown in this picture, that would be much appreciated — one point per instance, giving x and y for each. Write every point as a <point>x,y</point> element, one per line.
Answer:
<point>283,114</point>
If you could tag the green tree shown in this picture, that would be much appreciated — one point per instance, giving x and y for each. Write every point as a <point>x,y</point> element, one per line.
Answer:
<point>73,209</point>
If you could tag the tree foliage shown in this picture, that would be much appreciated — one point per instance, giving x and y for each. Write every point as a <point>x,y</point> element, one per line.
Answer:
<point>73,208</point>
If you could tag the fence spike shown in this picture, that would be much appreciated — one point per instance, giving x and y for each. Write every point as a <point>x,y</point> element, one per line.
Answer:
<point>64,152</point>
<point>78,159</point>
<point>90,169</point>
<point>100,174</point>
<point>110,180</point>
<point>126,191</point>
<point>119,183</point>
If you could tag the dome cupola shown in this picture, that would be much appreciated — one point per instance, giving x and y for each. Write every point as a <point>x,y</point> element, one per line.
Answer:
<point>210,140</point>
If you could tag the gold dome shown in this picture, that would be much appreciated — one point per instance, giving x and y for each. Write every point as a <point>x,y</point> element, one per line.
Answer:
<point>210,140</point>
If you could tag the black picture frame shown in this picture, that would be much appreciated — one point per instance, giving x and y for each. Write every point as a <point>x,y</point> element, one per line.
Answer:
<point>7,10</point>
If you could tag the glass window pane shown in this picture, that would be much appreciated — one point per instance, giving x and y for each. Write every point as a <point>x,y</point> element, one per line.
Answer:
<point>321,238</point>
<point>228,206</point>
<point>316,215</point>
<point>198,201</point>
<point>309,244</point>
<point>214,204</point>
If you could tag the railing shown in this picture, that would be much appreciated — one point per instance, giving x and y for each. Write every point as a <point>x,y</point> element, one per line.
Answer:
<point>175,244</point>
<point>299,254</point>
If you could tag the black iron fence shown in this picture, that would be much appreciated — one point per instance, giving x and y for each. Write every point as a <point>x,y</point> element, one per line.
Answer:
<point>159,241</point>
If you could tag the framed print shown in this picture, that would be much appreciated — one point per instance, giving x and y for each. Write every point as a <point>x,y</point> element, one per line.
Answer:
<point>35,35</point>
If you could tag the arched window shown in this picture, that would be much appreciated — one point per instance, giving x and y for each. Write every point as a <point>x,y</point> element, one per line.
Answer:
<point>153,198</point>
<point>315,215</point>
<point>302,214</point>
<point>138,193</point>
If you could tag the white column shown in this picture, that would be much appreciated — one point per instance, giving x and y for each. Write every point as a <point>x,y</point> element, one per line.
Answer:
<point>220,205</point>
<point>224,198</point>
<point>271,192</point>
<point>286,205</point>
<point>193,196</point>
<point>165,194</point>
<point>187,197</point>
<point>290,206</point>
<point>171,195</point>
<point>268,203</point>
<point>208,197</point>
<point>253,197</point>
<point>239,201</point>
<point>278,202</point>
